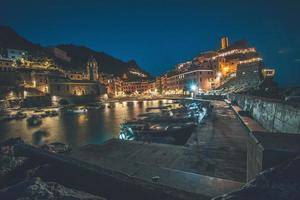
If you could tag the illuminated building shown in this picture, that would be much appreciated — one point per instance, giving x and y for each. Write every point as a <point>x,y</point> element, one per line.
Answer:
<point>64,87</point>
<point>203,79</point>
<point>211,69</point>
<point>138,87</point>
<point>16,54</point>
<point>7,65</point>
<point>40,81</point>
<point>75,75</point>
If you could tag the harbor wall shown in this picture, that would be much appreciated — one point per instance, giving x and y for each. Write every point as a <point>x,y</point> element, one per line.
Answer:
<point>274,116</point>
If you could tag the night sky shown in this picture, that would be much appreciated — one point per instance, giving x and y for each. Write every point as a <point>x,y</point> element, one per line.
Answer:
<point>161,33</point>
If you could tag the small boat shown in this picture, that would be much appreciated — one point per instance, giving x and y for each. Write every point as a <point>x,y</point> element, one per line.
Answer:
<point>38,110</point>
<point>79,110</point>
<point>180,132</point>
<point>57,147</point>
<point>51,113</point>
<point>20,115</point>
<point>34,120</point>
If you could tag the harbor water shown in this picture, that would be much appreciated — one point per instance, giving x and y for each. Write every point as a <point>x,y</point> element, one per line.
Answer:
<point>95,126</point>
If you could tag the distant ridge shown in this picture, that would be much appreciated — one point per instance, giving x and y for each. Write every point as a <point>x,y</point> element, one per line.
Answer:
<point>78,54</point>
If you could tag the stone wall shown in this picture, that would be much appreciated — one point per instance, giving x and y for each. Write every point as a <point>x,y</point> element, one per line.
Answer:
<point>275,116</point>
<point>266,150</point>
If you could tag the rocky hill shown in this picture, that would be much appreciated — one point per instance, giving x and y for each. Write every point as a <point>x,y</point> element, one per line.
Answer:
<point>78,54</point>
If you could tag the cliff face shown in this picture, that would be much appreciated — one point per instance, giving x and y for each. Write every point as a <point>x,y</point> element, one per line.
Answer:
<point>78,54</point>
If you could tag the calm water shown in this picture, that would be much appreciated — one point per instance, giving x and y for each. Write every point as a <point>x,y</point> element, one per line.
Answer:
<point>95,126</point>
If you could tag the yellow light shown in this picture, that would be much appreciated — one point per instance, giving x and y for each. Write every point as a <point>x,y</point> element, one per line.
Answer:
<point>54,98</point>
<point>25,94</point>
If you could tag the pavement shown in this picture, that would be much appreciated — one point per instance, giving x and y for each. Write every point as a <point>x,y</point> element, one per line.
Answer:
<point>221,144</point>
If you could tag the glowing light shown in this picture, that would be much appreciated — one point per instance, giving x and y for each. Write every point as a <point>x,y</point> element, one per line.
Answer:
<point>193,87</point>
<point>25,94</point>
<point>219,74</point>
<point>54,98</point>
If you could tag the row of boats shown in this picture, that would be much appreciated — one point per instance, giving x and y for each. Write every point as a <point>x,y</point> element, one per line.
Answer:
<point>169,125</point>
<point>34,119</point>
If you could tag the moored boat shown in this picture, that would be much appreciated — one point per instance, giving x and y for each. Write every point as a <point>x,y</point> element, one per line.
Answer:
<point>78,110</point>
<point>57,147</point>
<point>34,120</point>
<point>180,132</point>
<point>20,115</point>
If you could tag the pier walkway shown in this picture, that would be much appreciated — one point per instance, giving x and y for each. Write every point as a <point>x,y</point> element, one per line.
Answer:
<point>214,156</point>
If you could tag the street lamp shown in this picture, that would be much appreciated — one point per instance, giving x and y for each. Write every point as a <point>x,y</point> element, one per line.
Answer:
<point>193,88</point>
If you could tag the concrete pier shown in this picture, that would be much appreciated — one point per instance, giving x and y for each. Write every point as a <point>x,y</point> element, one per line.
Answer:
<point>213,161</point>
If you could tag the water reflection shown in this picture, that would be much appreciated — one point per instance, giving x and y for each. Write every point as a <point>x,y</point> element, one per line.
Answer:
<point>95,126</point>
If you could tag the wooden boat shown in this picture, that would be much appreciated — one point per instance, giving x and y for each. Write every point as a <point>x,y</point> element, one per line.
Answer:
<point>148,132</point>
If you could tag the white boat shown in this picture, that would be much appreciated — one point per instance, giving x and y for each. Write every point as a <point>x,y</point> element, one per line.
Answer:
<point>79,110</point>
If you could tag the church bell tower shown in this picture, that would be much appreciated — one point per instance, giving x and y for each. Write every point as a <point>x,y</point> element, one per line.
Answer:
<point>92,69</point>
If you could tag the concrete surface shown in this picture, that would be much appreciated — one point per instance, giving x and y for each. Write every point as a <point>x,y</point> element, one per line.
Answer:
<point>221,144</point>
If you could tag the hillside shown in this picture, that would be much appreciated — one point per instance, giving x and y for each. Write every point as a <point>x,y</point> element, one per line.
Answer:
<point>78,54</point>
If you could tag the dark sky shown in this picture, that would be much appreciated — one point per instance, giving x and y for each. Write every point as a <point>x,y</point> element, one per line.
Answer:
<point>161,33</point>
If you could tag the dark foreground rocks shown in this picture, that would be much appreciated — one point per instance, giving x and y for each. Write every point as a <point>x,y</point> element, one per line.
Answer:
<point>18,178</point>
<point>279,183</point>
<point>40,190</point>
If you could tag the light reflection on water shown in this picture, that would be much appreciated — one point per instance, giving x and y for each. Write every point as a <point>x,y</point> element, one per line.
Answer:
<point>96,126</point>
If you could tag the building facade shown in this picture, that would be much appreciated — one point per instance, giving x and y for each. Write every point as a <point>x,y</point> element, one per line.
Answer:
<point>64,88</point>
<point>16,54</point>
<point>198,80</point>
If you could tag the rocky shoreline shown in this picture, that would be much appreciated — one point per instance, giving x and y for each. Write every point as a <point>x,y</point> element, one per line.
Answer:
<point>19,178</point>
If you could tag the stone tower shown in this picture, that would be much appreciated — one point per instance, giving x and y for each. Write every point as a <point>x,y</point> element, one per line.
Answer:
<point>224,42</point>
<point>92,69</point>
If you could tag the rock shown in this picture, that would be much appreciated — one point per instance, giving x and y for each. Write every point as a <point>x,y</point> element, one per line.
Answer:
<point>8,161</point>
<point>40,190</point>
<point>12,142</point>
<point>279,183</point>
<point>155,178</point>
